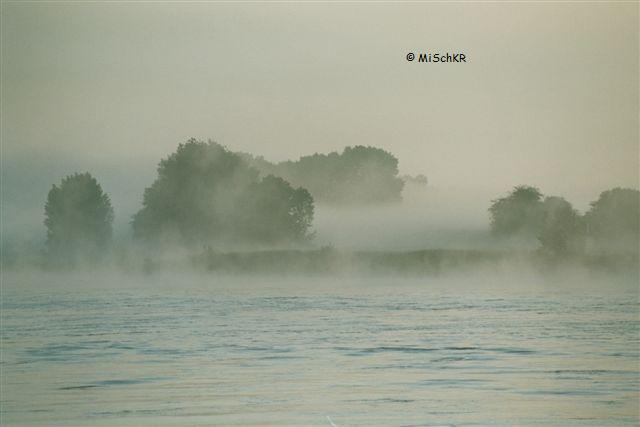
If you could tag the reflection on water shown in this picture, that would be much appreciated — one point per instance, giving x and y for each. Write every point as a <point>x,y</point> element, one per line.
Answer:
<point>210,351</point>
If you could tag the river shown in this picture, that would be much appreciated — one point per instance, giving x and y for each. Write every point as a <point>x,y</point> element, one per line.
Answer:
<point>196,350</point>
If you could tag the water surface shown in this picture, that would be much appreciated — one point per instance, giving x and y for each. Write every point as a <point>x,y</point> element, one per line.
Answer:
<point>175,350</point>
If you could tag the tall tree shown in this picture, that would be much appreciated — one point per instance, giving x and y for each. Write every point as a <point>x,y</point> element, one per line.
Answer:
<point>192,199</point>
<point>560,227</point>
<point>519,213</point>
<point>613,221</point>
<point>78,217</point>
<point>273,211</point>
<point>206,194</point>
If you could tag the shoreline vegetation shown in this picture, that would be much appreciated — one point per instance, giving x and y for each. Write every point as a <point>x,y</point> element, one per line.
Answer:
<point>215,210</point>
<point>329,261</point>
<point>425,262</point>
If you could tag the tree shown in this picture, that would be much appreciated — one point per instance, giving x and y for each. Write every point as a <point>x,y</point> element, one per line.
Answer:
<point>206,194</point>
<point>519,213</point>
<point>358,175</point>
<point>560,226</point>
<point>192,199</point>
<point>78,217</point>
<point>613,221</point>
<point>274,211</point>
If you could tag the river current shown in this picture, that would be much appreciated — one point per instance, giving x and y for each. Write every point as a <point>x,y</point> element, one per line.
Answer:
<point>183,350</point>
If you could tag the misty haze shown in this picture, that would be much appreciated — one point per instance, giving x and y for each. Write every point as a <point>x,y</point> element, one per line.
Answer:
<point>268,214</point>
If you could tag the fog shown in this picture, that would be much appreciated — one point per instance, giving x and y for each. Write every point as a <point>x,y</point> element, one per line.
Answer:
<point>438,215</point>
<point>548,98</point>
<point>428,217</point>
<point>265,213</point>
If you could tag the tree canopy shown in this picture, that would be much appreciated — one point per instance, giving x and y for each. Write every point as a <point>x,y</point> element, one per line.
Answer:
<point>560,229</point>
<point>519,213</point>
<point>272,209</point>
<point>613,221</point>
<point>78,218</point>
<point>358,175</point>
<point>207,194</point>
<point>612,224</point>
<point>526,213</point>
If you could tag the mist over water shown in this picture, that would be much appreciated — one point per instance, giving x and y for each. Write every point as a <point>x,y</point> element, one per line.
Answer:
<point>407,313</point>
<point>263,214</point>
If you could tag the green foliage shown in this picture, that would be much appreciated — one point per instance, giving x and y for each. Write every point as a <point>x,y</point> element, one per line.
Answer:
<point>519,213</point>
<point>194,195</point>
<point>205,194</point>
<point>613,222</point>
<point>359,175</point>
<point>78,217</point>
<point>331,261</point>
<point>560,228</point>
<point>272,210</point>
<point>611,226</point>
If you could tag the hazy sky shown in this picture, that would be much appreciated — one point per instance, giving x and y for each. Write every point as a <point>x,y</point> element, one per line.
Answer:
<point>549,95</point>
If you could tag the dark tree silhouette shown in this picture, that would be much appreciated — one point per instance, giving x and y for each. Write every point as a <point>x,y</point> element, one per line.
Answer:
<point>192,199</point>
<point>560,227</point>
<point>273,211</point>
<point>205,194</point>
<point>610,227</point>
<point>613,221</point>
<point>78,217</point>
<point>358,175</point>
<point>519,213</point>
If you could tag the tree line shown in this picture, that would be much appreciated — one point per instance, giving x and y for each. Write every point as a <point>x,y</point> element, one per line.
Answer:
<point>206,195</point>
<point>203,194</point>
<point>356,176</point>
<point>611,225</point>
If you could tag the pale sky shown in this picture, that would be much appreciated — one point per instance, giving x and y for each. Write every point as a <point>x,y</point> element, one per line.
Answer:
<point>548,97</point>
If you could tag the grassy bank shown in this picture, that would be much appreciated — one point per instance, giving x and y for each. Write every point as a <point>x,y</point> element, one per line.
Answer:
<point>332,261</point>
<point>413,263</point>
